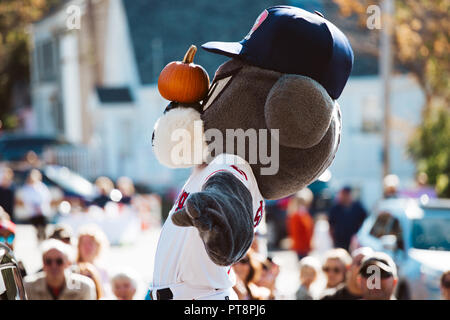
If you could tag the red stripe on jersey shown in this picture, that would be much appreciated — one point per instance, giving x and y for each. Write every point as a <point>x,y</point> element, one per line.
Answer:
<point>259,214</point>
<point>240,171</point>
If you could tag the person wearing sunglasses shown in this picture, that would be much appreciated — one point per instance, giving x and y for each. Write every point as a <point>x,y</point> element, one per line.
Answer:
<point>351,289</point>
<point>337,262</point>
<point>445,285</point>
<point>378,277</point>
<point>57,281</point>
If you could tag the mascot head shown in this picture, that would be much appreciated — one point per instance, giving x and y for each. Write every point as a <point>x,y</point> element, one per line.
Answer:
<point>273,103</point>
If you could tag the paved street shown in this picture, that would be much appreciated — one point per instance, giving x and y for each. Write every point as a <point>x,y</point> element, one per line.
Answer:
<point>140,257</point>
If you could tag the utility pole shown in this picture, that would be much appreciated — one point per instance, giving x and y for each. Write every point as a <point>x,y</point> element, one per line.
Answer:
<point>387,9</point>
<point>93,55</point>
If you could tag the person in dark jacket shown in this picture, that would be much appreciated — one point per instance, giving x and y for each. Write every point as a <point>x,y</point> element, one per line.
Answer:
<point>345,218</point>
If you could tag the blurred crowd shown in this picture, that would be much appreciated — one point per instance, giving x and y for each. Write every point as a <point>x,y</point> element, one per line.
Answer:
<point>71,265</point>
<point>330,268</point>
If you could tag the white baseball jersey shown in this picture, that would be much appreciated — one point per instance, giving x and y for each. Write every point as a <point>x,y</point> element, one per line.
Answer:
<point>180,255</point>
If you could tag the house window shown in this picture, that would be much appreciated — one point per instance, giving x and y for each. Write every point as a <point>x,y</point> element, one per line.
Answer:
<point>46,58</point>
<point>372,115</point>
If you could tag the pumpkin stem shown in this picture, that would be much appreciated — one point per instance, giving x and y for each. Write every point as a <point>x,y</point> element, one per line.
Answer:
<point>189,56</point>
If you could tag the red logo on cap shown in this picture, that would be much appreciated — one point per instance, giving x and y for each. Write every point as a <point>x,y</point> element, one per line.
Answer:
<point>258,22</point>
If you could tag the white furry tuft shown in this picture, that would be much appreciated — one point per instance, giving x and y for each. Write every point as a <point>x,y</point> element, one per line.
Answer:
<point>179,140</point>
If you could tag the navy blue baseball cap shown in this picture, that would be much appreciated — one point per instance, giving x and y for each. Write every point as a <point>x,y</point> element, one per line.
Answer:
<point>291,40</point>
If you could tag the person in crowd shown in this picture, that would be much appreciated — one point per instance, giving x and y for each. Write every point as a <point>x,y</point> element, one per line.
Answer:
<point>57,281</point>
<point>62,232</point>
<point>276,211</point>
<point>124,285</point>
<point>337,261</point>
<point>421,189</point>
<point>104,186</point>
<point>7,191</point>
<point>8,235</point>
<point>7,229</point>
<point>126,188</point>
<point>89,270</point>
<point>269,273</point>
<point>445,285</point>
<point>378,277</point>
<point>345,217</point>
<point>390,186</point>
<point>92,241</point>
<point>248,271</point>
<point>351,290</point>
<point>37,200</point>
<point>321,241</point>
<point>300,224</point>
<point>309,270</point>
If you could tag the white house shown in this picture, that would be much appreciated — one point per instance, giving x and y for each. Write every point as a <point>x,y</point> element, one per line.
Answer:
<point>358,161</point>
<point>96,86</point>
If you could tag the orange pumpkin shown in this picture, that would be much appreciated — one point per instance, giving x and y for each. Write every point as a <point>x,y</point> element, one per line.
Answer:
<point>184,81</point>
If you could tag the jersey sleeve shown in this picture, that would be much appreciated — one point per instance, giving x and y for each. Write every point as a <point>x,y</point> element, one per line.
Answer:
<point>243,172</point>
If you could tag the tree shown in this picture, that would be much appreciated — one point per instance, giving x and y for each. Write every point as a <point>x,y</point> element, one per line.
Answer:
<point>421,40</point>
<point>430,147</point>
<point>422,48</point>
<point>15,17</point>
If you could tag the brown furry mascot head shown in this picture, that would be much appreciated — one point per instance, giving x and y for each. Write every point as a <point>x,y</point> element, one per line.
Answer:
<point>283,79</point>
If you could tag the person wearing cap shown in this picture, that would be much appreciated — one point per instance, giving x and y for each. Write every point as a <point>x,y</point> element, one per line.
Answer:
<point>351,290</point>
<point>345,217</point>
<point>282,82</point>
<point>378,277</point>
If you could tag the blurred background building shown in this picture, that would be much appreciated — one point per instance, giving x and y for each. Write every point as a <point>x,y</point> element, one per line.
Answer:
<point>96,86</point>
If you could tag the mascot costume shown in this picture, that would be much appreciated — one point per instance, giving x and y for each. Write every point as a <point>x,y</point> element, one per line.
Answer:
<point>279,88</point>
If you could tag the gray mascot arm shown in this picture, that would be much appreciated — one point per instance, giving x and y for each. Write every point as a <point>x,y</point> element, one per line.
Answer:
<point>222,212</point>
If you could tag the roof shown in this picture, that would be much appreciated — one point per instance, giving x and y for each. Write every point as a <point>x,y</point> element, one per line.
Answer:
<point>176,26</point>
<point>54,8</point>
<point>114,95</point>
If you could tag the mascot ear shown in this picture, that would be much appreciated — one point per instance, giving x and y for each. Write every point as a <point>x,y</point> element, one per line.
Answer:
<point>301,109</point>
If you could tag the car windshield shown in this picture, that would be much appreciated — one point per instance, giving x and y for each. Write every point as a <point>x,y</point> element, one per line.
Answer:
<point>432,232</point>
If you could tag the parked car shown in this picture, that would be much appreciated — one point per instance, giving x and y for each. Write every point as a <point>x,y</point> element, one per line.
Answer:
<point>64,185</point>
<point>14,147</point>
<point>417,235</point>
<point>11,285</point>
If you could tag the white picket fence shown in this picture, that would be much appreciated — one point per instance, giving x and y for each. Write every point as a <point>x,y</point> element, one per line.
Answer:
<point>83,160</point>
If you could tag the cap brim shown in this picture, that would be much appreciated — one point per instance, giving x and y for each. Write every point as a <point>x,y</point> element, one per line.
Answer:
<point>384,267</point>
<point>229,49</point>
